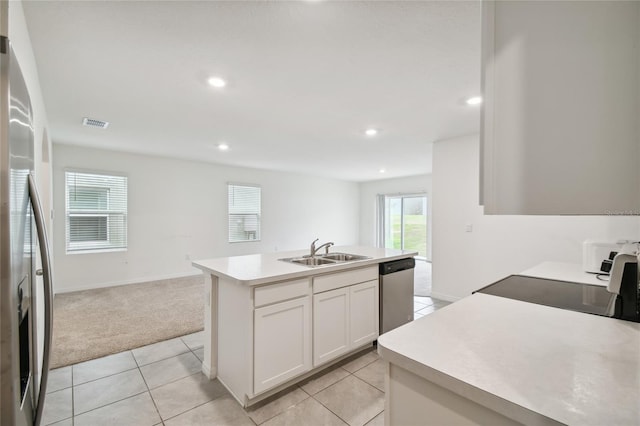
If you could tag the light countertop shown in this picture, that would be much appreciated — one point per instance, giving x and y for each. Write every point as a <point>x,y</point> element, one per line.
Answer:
<point>258,269</point>
<point>525,360</point>
<point>560,271</point>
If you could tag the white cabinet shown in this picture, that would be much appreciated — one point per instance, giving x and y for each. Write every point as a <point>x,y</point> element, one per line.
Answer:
<point>363,313</point>
<point>561,88</point>
<point>330,325</point>
<point>282,342</point>
<point>263,338</point>
<point>345,313</point>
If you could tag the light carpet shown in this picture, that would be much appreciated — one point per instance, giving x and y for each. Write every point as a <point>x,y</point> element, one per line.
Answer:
<point>94,323</point>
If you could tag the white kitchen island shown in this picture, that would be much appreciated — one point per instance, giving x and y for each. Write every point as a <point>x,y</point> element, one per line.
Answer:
<point>491,360</point>
<point>270,323</point>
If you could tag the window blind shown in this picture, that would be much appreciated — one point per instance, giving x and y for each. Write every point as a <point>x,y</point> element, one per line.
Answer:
<point>96,212</point>
<point>244,203</point>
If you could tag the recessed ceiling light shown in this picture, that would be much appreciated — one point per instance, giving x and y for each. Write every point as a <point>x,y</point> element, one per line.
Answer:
<point>475,100</point>
<point>223,147</point>
<point>382,170</point>
<point>216,82</point>
<point>371,132</point>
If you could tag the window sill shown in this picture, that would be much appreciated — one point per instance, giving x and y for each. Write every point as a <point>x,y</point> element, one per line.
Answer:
<point>95,251</point>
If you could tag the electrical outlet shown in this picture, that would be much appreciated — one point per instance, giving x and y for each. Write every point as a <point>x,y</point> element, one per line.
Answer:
<point>187,256</point>
<point>468,227</point>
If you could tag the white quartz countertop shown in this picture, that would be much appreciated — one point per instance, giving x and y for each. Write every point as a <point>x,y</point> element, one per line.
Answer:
<point>561,271</point>
<point>258,269</point>
<point>529,362</point>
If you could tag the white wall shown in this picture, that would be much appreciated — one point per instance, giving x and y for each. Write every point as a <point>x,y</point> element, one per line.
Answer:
<point>368,211</point>
<point>179,208</point>
<point>498,245</point>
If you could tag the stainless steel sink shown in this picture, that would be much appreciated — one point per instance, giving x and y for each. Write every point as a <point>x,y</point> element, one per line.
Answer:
<point>324,259</point>
<point>310,261</point>
<point>343,257</point>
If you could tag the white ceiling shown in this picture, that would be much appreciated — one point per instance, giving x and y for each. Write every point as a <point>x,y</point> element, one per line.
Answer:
<point>305,79</point>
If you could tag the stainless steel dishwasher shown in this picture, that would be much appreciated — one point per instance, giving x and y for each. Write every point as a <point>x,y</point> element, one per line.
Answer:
<point>396,293</point>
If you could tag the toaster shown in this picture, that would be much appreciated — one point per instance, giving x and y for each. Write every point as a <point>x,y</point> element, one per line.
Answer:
<point>597,256</point>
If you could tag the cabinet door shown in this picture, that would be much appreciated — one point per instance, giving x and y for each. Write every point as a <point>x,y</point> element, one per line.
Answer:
<point>561,92</point>
<point>282,342</point>
<point>330,325</point>
<point>363,311</point>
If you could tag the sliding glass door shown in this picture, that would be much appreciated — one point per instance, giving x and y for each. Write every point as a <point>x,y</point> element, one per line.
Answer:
<point>404,222</point>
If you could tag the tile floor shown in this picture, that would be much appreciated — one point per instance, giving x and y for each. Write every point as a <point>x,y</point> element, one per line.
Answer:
<point>161,384</point>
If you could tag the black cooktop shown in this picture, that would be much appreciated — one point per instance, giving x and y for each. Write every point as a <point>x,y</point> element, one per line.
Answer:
<point>591,299</point>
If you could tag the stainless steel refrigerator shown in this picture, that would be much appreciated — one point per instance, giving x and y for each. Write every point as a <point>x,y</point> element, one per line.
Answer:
<point>24,346</point>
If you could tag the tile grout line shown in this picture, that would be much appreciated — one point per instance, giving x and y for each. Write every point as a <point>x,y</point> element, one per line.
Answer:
<point>330,410</point>
<point>104,377</point>
<point>111,403</point>
<point>367,383</point>
<point>163,359</point>
<point>172,381</point>
<point>190,375</point>
<point>285,410</point>
<point>138,367</point>
<point>108,375</point>
<point>150,395</point>
<point>356,377</point>
<point>192,351</point>
<point>190,409</point>
<point>300,387</point>
<point>149,389</point>
<point>363,381</point>
<point>366,365</point>
<point>73,413</point>
<point>111,375</point>
<point>371,419</point>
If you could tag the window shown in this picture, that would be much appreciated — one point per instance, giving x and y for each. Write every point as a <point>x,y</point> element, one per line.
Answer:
<point>404,222</point>
<point>96,212</point>
<point>244,213</point>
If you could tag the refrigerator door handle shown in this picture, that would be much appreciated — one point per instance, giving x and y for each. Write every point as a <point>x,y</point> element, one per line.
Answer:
<point>48,294</point>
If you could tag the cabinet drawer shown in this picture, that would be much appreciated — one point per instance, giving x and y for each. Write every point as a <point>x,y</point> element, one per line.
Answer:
<point>282,291</point>
<point>343,279</point>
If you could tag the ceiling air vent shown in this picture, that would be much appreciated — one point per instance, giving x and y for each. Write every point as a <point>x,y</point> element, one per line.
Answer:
<point>91,122</point>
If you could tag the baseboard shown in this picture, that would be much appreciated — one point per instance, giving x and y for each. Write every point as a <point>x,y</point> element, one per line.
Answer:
<point>445,297</point>
<point>139,280</point>
<point>206,370</point>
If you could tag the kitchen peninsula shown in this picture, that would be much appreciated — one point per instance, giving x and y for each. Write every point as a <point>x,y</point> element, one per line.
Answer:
<point>271,323</point>
<point>491,360</point>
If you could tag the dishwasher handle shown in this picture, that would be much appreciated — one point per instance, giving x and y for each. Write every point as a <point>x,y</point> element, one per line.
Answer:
<point>397,266</point>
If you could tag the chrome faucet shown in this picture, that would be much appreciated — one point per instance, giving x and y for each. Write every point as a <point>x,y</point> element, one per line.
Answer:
<point>314,250</point>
